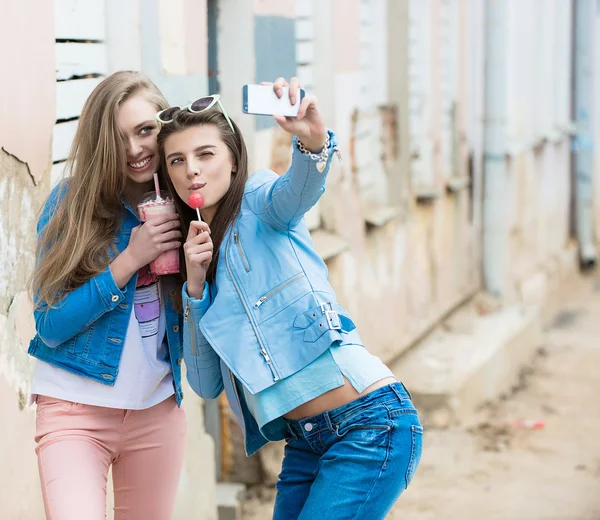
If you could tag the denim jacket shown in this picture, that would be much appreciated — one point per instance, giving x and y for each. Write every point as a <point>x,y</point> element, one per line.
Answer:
<point>85,333</point>
<point>271,310</point>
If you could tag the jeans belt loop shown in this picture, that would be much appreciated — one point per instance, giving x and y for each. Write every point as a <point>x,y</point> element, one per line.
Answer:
<point>406,390</point>
<point>396,390</point>
<point>291,430</point>
<point>328,421</point>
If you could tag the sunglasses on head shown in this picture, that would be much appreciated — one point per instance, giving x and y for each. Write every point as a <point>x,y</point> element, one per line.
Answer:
<point>204,103</point>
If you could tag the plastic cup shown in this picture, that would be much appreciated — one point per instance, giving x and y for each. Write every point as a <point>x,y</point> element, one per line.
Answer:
<point>149,206</point>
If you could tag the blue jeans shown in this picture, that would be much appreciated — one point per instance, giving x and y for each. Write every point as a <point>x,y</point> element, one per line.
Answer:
<point>352,462</point>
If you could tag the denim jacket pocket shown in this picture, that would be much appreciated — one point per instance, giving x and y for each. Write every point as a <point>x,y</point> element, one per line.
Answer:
<point>68,346</point>
<point>80,344</point>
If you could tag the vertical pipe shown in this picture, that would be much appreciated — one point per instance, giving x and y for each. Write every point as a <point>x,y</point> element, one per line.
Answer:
<point>213,47</point>
<point>495,190</point>
<point>212,418</point>
<point>582,143</point>
<point>397,66</point>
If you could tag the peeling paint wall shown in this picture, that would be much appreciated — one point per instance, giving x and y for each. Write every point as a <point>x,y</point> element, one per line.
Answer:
<point>402,85</point>
<point>538,163</point>
<point>27,104</point>
<point>40,102</point>
<point>404,262</point>
<point>413,227</point>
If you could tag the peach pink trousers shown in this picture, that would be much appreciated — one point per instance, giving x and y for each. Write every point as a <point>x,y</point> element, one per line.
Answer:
<point>77,444</point>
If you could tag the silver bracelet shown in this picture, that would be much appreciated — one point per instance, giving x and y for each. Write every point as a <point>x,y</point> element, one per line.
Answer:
<point>320,157</point>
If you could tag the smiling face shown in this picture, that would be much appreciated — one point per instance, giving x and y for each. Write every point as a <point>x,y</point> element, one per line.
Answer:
<point>198,161</point>
<point>135,119</point>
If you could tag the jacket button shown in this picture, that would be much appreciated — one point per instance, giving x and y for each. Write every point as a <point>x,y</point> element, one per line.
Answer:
<point>176,328</point>
<point>172,293</point>
<point>115,298</point>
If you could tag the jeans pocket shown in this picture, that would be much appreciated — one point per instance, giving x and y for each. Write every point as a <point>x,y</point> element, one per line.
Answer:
<point>367,419</point>
<point>346,428</point>
<point>415,452</point>
<point>49,407</point>
<point>370,427</point>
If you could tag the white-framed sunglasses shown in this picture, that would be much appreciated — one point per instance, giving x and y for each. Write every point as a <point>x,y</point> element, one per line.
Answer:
<point>166,116</point>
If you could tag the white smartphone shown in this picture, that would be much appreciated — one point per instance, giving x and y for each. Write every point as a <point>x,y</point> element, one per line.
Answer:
<point>262,100</point>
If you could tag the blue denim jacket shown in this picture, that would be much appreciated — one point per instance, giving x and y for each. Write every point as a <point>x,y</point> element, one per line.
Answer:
<point>85,333</point>
<point>271,310</point>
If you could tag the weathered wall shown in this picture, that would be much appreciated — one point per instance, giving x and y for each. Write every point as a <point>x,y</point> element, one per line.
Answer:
<point>399,258</point>
<point>27,104</point>
<point>538,125</point>
<point>402,84</point>
<point>595,115</point>
<point>405,261</point>
<point>52,68</point>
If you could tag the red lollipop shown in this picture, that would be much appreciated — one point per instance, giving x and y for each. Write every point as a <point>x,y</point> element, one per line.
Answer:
<point>196,201</point>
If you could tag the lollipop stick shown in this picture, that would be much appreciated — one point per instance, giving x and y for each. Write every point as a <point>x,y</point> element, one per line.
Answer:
<point>198,213</point>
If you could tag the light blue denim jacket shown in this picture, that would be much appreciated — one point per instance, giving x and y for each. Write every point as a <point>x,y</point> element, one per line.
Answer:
<point>271,310</point>
<point>84,334</point>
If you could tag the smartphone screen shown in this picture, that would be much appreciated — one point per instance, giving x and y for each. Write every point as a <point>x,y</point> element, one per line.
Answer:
<point>262,100</point>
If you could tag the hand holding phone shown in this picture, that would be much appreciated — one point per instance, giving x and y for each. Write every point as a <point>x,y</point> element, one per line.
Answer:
<point>301,118</point>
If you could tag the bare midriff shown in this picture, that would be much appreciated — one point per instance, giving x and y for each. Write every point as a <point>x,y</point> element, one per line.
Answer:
<point>334,398</point>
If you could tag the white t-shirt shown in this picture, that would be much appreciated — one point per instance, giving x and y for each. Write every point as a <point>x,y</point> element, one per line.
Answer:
<point>145,375</point>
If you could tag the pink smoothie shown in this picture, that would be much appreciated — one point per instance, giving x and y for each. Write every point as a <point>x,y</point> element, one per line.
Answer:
<point>167,262</point>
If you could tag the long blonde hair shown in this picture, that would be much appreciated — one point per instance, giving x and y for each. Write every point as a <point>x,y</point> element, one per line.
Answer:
<point>75,244</point>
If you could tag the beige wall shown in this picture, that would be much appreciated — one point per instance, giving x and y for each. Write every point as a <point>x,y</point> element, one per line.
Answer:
<point>27,105</point>
<point>28,96</point>
<point>399,278</point>
<point>283,8</point>
<point>28,100</point>
<point>20,496</point>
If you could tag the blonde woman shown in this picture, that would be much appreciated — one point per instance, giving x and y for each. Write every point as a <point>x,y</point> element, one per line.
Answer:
<point>107,380</point>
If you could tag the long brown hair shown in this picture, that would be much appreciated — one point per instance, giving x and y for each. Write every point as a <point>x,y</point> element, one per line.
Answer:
<point>81,230</point>
<point>230,205</point>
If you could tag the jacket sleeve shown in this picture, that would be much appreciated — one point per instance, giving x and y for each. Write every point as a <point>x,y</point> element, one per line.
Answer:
<point>283,201</point>
<point>81,307</point>
<point>202,363</point>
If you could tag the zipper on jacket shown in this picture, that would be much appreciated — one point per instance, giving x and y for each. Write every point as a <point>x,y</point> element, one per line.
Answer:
<point>191,327</point>
<point>263,350</point>
<point>264,298</point>
<point>238,242</point>
<point>269,362</point>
